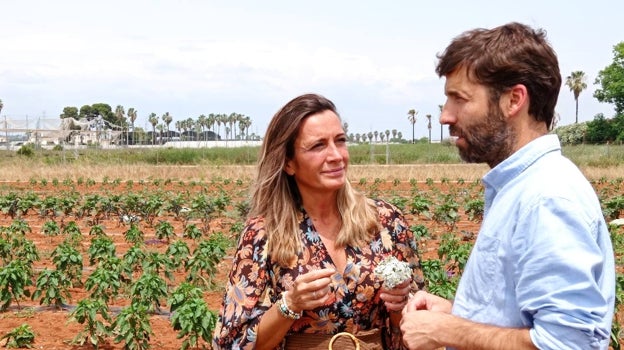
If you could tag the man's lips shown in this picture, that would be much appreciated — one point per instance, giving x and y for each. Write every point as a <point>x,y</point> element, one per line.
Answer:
<point>455,135</point>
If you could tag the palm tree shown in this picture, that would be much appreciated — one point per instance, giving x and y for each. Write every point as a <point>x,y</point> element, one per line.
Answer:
<point>160,128</point>
<point>231,119</point>
<point>429,125</point>
<point>182,131</point>
<point>120,117</point>
<point>411,116</point>
<point>132,115</point>
<point>1,105</point>
<point>153,119</point>
<point>387,132</point>
<point>220,118</point>
<point>243,125</point>
<point>576,83</point>
<point>210,122</point>
<point>247,126</point>
<point>440,119</point>
<point>201,123</point>
<point>119,114</point>
<point>167,119</point>
<point>198,129</point>
<point>190,126</point>
<point>179,125</point>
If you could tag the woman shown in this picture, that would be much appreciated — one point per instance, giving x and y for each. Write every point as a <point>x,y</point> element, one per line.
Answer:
<point>303,270</point>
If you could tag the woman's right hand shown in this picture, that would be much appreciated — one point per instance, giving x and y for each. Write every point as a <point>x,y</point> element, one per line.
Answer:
<point>310,290</point>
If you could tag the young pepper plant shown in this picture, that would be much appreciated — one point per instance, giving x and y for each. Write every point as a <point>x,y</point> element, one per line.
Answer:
<point>194,322</point>
<point>148,290</point>
<point>68,260</point>
<point>95,330</point>
<point>52,288</point>
<point>20,337</point>
<point>132,326</point>
<point>14,280</point>
<point>190,315</point>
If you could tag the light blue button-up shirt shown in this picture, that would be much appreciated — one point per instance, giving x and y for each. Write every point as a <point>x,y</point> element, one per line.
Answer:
<point>543,258</point>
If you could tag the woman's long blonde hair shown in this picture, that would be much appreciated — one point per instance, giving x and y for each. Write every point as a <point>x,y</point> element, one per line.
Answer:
<point>275,196</point>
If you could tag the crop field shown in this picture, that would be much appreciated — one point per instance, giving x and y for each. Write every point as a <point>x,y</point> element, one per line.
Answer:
<point>132,256</point>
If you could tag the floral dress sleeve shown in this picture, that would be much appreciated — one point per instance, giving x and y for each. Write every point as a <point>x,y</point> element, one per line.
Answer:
<point>247,296</point>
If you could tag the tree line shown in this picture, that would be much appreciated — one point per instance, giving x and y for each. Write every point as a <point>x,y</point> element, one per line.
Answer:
<point>235,125</point>
<point>601,129</point>
<point>611,90</point>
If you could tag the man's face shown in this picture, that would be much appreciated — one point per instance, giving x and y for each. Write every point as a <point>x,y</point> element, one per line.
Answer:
<point>478,124</point>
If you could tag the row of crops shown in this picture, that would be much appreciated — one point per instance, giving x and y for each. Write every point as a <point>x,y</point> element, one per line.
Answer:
<point>139,249</point>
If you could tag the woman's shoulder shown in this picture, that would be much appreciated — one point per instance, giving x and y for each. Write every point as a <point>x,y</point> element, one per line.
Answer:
<point>255,221</point>
<point>383,206</point>
<point>254,229</point>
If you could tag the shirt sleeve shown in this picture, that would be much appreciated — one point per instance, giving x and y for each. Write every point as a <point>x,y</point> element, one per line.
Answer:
<point>246,297</point>
<point>559,272</point>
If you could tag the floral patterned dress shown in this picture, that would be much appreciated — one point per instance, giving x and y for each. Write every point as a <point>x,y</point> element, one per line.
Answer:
<point>256,282</point>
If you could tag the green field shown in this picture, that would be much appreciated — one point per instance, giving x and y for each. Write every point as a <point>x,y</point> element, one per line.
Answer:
<point>419,153</point>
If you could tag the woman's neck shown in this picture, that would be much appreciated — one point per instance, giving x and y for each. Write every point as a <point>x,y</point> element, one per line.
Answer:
<point>324,213</point>
<point>321,207</point>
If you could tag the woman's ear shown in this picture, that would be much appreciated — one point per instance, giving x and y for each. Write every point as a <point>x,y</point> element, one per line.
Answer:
<point>288,168</point>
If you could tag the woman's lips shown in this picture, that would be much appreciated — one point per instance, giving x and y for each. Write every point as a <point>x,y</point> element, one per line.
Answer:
<point>334,172</point>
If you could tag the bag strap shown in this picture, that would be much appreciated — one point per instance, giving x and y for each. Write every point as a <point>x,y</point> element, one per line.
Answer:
<point>355,340</point>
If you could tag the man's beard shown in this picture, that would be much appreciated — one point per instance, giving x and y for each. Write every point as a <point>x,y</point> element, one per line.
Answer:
<point>490,140</point>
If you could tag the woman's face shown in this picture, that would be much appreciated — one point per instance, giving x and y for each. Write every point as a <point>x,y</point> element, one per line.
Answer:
<point>321,156</point>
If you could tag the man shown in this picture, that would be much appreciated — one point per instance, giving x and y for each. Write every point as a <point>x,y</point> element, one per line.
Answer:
<point>541,273</point>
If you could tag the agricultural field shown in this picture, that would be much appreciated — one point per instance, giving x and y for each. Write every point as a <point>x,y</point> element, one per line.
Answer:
<point>137,256</point>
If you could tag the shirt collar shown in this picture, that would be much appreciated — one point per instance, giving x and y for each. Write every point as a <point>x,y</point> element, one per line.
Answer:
<point>519,161</point>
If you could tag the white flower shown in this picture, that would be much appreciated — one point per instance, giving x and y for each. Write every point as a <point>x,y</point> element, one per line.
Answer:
<point>393,272</point>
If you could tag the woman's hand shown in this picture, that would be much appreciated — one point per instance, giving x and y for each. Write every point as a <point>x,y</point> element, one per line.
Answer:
<point>310,290</point>
<point>396,298</point>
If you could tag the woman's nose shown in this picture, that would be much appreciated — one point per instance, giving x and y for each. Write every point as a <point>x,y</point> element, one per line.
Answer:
<point>333,151</point>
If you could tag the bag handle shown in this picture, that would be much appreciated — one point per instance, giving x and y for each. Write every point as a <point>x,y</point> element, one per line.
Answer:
<point>355,340</point>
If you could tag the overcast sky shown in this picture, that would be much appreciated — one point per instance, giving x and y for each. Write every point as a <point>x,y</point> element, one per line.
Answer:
<point>374,59</point>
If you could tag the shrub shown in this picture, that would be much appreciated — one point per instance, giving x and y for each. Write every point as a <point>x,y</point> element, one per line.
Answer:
<point>27,150</point>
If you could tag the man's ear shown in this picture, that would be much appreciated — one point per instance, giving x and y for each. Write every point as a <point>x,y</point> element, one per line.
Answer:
<point>516,100</point>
